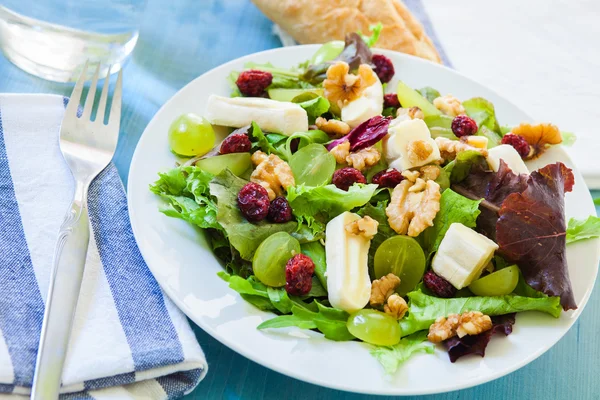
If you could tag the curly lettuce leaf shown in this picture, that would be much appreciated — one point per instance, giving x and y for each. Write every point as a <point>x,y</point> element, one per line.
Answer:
<point>483,112</point>
<point>579,229</point>
<point>186,196</point>
<point>531,231</point>
<point>453,208</point>
<point>243,235</point>
<point>423,309</point>
<point>476,344</point>
<point>390,358</point>
<point>330,321</point>
<point>314,205</point>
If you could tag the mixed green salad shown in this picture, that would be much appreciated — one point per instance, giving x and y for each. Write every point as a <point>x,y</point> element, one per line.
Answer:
<point>400,219</point>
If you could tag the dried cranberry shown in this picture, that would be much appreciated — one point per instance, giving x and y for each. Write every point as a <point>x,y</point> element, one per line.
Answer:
<point>463,126</point>
<point>298,275</point>
<point>518,142</point>
<point>253,201</point>
<point>438,285</point>
<point>254,83</point>
<point>236,143</point>
<point>391,100</point>
<point>387,178</point>
<point>346,177</point>
<point>383,67</point>
<point>280,210</point>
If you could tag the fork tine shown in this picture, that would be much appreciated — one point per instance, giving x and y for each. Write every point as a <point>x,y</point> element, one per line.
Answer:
<point>115,109</point>
<point>103,98</point>
<point>91,96</point>
<point>76,94</point>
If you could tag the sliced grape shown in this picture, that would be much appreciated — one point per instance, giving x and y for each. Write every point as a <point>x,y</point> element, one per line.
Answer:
<point>411,98</point>
<point>280,94</point>
<point>313,165</point>
<point>403,257</point>
<point>238,163</point>
<point>191,135</point>
<point>497,283</point>
<point>374,327</point>
<point>272,255</point>
<point>327,52</point>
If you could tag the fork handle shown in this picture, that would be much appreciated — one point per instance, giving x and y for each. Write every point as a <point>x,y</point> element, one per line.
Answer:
<point>65,284</point>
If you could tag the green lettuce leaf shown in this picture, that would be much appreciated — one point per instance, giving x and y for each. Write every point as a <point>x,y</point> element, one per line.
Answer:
<point>453,208</point>
<point>460,167</point>
<point>231,79</point>
<point>483,112</point>
<point>316,252</point>
<point>280,299</point>
<point>314,205</point>
<point>424,309</point>
<point>315,108</point>
<point>330,321</point>
<point>250,289</point>
<point>244,236</point>
<point>579,229</point>
<point>287,78</point>
<point>390,358</point>
<point>597,201</point>
<point>494,139</point>
<point>375,30</point>
<point>429,93</point>
<point>384,231</point>
<point>568,138</point>
<point>186,196</point>
<point>259,140</point>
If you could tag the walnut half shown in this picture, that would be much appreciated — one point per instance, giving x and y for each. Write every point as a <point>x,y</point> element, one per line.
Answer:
<point>383,288</point>
<point>449,105</point>
<point>272,173</point>
<point>412,211</point>
<point>468,323</point>
<point>450,148</point>
<point>333,127</point>
<point>364,158</point>
<point>396,306</point>
<point>365,227</point>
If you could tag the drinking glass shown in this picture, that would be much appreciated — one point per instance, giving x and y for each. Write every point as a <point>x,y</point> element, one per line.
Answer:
<point>53,39</point>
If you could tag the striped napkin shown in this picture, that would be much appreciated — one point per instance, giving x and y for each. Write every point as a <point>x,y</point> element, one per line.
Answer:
<point>129,341</point>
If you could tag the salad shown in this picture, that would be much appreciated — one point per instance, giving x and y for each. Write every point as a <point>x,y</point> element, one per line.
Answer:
<point>398,217</point>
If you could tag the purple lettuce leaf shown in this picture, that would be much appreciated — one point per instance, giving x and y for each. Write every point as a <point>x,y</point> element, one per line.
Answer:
<point>476,344</point>
<point>364,135</point>
<point>531,232</point>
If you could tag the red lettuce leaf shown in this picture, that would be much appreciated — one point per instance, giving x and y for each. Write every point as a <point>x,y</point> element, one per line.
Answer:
<point>493,187</point>
<point>531,232</point>
<point>364,135</point>
<point>476,344</point>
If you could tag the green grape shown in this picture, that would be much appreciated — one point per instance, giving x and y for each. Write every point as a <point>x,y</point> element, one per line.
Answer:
<point>402,256</point>
<point>238,163</point>
<point>411,98</point>
<point>374,327</point>
<point>191,135</point>
<point>313,165</point>
<point>281,94</point>
<point>497,283</point>
<point>327,52</point>
<point>272,255</point>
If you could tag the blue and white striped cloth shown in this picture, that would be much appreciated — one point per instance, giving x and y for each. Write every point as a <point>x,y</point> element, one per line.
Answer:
<point>128,340</point>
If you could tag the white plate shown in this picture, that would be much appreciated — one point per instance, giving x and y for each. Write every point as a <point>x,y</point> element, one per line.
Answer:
<point>185,267</point>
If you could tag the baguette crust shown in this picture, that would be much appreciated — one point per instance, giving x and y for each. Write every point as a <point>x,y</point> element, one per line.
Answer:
<point>318,21</point>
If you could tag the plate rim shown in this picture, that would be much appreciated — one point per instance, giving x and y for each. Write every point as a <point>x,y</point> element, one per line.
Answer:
<point>468,383</point>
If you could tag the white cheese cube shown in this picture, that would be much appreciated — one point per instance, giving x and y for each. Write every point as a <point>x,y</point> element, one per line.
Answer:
<point>510,156</point>
<point>395,144</point>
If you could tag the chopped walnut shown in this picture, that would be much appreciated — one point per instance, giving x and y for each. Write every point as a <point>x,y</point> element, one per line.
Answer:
<point>412,212</point>
<point>272,173</point>
<point>430,172</point>
<point>450,148</point>
<point>468,323</point>
<point>539,136</point>
<point>364,158</point>
<point>383,288</point>
<point>340,152</point>
<point>332,127</point>
<point>412,113</point>
<point>411,175</point>
<point>365,227</point>
<point>342,87</point>
<point>418,150</point>
<point>449,105</point>
<point>396,306</point>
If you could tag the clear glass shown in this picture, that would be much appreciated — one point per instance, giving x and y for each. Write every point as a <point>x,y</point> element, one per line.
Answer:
<point>53,39</point>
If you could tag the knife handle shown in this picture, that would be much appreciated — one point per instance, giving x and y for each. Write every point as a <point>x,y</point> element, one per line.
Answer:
<point>65,284</point>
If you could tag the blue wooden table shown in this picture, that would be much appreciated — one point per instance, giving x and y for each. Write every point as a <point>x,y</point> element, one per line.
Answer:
<point>181,40</point>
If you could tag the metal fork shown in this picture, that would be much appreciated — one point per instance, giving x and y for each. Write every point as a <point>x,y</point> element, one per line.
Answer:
<point>87,146</point>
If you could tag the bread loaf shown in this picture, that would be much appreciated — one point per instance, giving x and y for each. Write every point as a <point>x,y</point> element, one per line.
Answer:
<point>319,21</point>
